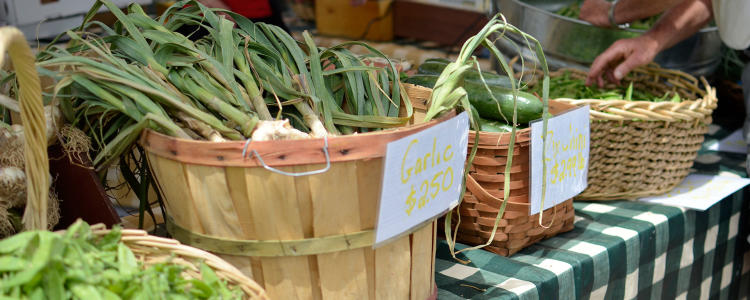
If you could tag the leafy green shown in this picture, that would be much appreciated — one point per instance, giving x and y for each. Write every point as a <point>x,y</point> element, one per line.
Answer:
<point>83,265</point>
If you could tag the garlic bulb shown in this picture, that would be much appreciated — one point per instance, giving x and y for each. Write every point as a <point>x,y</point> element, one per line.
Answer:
<point>277,130</point>
<point>52,114</point>
<point>13,185</point>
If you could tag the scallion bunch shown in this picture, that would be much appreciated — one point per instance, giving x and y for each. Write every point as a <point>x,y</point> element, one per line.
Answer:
<point>114,82</point>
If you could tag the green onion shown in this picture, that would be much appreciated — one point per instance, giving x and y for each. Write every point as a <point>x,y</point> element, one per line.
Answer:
<point>143,74</point>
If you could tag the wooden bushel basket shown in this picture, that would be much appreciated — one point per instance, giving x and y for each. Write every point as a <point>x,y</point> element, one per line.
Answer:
<point>484,193</point>
<point>303,237</point>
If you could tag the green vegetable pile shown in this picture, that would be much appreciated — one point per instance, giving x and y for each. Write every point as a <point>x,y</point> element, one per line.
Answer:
<point>79,265</point>
<point>566,85</point>
<point>493,103</point>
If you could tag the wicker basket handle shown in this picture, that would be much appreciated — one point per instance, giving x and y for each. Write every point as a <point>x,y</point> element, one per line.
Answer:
<point>478,191</point>
<point>34,129</point>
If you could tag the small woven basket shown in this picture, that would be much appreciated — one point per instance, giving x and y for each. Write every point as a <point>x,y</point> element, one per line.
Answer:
<point>484,192</point>
<point>152,250</point>
<point>644,148</point>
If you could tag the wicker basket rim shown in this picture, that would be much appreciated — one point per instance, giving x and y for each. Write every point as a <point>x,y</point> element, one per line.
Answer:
<point>623,110</point>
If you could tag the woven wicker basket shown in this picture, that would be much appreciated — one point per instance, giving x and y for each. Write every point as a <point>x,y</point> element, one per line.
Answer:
<point>643,148</point>
<point>152,250</point>
<point>484,192</point>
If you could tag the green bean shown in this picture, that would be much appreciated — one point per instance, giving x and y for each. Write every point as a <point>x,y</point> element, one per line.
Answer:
<point>566,86</point>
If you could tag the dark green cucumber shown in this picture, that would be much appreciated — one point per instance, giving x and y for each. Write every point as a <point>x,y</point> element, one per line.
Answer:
<point>493,126</point>
<point>444,61</point>
<point>434,67</point>
<point>529,106</point>
<point>422,80</point>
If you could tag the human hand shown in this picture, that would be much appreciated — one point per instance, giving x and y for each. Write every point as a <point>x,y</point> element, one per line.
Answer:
<point>620,58</point>
<point>595,12</point>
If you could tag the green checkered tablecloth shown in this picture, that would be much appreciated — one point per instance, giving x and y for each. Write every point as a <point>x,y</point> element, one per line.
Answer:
<point>621,250</point>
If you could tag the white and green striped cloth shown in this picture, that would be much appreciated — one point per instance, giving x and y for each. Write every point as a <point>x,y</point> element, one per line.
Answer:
<point>618,250</point>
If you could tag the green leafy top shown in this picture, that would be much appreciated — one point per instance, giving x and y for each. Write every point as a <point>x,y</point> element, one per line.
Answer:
<point>78,264</point>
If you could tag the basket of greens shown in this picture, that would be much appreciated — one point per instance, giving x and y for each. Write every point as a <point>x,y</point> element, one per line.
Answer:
<point>645,134</point>
<point>92,262</point>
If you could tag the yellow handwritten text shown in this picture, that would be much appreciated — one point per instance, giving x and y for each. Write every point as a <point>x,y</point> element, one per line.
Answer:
<point>565,158</point>
<point>439,177</point>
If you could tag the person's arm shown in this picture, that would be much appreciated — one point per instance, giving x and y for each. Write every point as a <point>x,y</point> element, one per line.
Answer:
<point>596,12</point>
<point>677,24</point>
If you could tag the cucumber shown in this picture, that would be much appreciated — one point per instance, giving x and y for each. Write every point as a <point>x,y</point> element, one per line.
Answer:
<point>444,61</point>
<point>435,67</point>
<point>493,126</point>
<point>529,106</point>
<point>422,80</point>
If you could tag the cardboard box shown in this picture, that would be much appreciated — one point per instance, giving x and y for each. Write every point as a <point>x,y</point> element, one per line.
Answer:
<point>444,25</point>
<point>371,21</point>
<point>482,6</point>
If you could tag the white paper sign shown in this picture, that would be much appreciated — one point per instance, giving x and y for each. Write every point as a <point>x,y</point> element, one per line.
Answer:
<point>422,177</point>
<point>732,143</point>
<point>699,191</point>
<point>567,158</point>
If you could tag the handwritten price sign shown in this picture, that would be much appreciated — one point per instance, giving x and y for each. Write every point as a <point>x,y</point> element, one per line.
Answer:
<point>422,177</point>
<point>567,157</point>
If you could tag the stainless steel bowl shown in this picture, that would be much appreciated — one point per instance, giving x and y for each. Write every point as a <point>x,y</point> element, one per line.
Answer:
<point>569,42</point>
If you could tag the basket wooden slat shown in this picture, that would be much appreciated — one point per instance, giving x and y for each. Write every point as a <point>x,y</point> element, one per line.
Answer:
<point>643,148</point>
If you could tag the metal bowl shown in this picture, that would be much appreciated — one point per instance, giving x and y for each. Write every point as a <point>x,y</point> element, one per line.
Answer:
<point>569,42</point>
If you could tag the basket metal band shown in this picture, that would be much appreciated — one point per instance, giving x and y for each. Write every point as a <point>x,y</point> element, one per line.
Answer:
<point>272,248</point>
